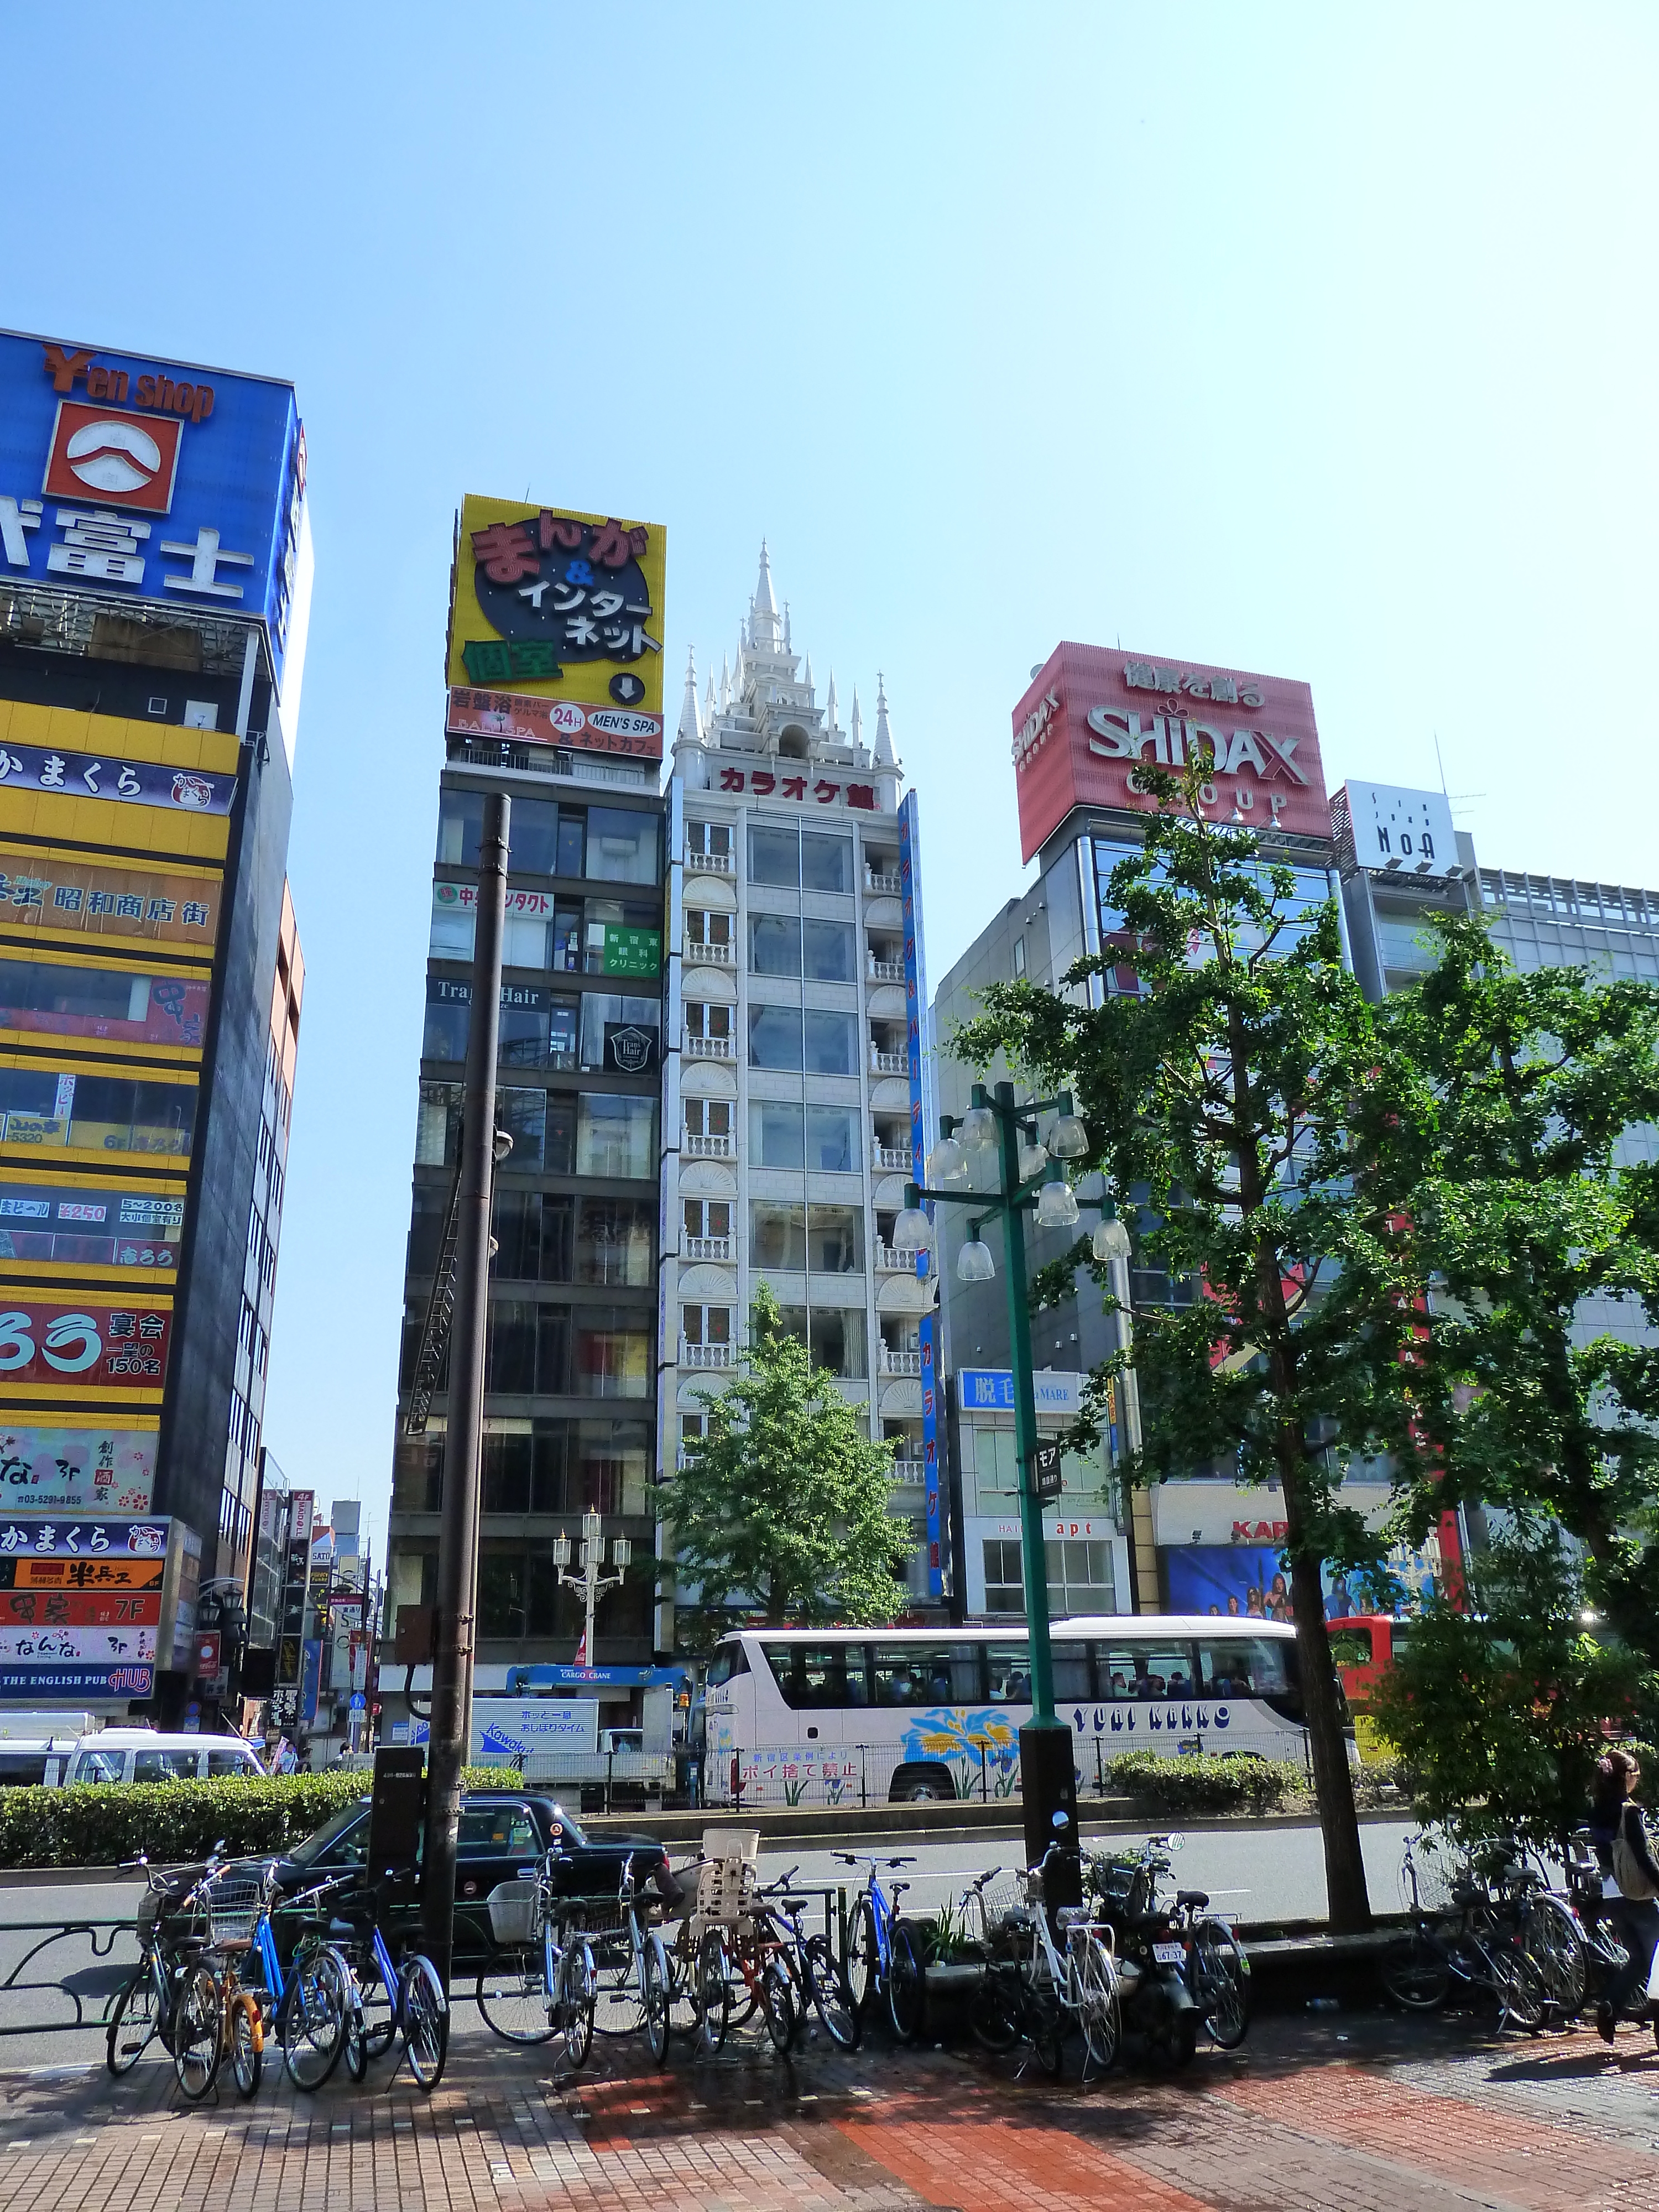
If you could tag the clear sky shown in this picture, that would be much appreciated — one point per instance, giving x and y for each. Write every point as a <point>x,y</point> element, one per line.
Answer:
<point>1316,341</point>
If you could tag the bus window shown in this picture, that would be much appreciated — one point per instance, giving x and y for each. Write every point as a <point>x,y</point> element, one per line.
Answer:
<point>814,1677</point>
<point>1145,1671</point>
<point>1351,1647</point>
<point>1074,1679</point>
<point>1248,1667</point>
<point>1010,1674</point>
<point>729,1660</point>
<point>925,1675</point>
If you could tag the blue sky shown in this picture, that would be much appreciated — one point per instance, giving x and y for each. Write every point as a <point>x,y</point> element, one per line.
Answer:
<point>1308,340</point>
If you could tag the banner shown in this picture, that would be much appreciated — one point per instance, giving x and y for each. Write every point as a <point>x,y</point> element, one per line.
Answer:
<point>41,890</point>
<point>99,1470</point>
<point>100,1346</point>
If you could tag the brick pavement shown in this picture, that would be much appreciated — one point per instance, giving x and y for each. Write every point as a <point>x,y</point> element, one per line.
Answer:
<point>1358,2110</point>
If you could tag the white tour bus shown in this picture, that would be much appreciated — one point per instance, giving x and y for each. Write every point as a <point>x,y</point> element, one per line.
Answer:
<point>849,1715</point>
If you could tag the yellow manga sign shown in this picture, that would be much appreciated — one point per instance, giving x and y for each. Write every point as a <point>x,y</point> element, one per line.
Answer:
<point>556,604</point>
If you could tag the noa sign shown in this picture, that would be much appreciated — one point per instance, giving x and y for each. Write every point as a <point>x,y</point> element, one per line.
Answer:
<point>1091,719</point>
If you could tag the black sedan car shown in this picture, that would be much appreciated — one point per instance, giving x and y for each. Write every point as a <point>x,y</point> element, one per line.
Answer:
<point>501,1830</point>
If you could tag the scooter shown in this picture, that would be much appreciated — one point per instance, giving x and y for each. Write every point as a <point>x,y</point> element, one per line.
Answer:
<point>1159,2012</point>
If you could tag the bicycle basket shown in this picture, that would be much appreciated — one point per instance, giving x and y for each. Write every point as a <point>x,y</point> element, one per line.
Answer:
<point>234,1903</point>
<point>1442,1875</point>
<point>515,1912</point>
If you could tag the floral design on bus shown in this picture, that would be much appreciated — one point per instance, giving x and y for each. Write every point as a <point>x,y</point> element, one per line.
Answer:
<point>976,1745</point>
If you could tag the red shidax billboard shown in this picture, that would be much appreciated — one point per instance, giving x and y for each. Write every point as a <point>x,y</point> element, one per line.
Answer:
<point>1090,718</point>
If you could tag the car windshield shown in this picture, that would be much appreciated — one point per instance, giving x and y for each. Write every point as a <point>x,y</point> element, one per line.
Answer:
<point>317,1847</point>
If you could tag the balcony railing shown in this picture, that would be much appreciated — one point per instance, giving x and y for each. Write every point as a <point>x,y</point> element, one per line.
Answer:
<point>886,971</point>
<point>900,1363</point>
<point>889,1262</point>
<point>888,1063</point>
<point>709,1047</point>
<point>882,885</point>
<point>709,864</point>
<point>705,1355</point>
<point>889,1156</point>
<point>709,1147</point>
<point>712,955</point>
<point>910,1470</point>
<point>707,1247</point>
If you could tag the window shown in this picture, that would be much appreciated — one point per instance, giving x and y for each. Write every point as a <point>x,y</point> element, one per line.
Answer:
<point>702,927</point>
<point>101,1766</point>
<point>708,838</point>
<point>534,834</point>
<point>521,1035</point>
<point>777,1235</point>
<point>452,924</point>
<point>438,1125</point>
<point>508,1458</point>
<point>835,1240</point>
<point>818,1677</point>
<point>705,1324</point>
<point>1010,1664</point>
<point>572,828</point>
<point>532,1229</point>
<point>773,855</point>
<point>775,1035</point>
<point>616,1136</point>
<point>729,1660</point>
<point>830,1049</point>
<point>1080,1576</point>
<point>704,1020</point>
<point>497,1831</point>
<point>559,1144</point>
<point>1247,1667</point>
<point>231,1762</point>
<point>523,1115</point>
<point>613,1352</point>
<point>774,945</point>
<point>525,942</point>
<point>708,1217</point>
<point>1145,1671</point>
<point>1019,957</point>
<point>621,940</point>
<point>1005,1587</point>
<point>827,954</point>
<point>622,845</point>
<point>460,827</point>
<point>709,1117</point>
<point>166,1765</point>
<point>834,1144</point>
<point>925,1675</point>
<point>446,1020</point>
<point>614,1240</point>
<point>774,1134</point>
<point>836,1338</point>
<point>622,1035</point>
<point>826,861</point>
<point>528,1348</point>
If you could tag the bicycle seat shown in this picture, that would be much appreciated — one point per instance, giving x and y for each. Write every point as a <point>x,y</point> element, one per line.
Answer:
<point>1198,1899</point>
<point>340,1931</point>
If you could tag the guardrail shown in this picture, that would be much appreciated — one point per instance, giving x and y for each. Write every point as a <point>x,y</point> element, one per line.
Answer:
<point>90,1987</point>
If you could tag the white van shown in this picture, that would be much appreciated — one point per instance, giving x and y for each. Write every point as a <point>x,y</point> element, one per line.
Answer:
<point>140,1755</point>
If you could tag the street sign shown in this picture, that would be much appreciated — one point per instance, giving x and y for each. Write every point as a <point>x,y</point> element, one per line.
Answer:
<point>359,1702</point>
<point>1045,1473</point>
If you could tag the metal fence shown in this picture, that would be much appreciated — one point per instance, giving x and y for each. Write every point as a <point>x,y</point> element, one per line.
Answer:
<point>957,1768</point>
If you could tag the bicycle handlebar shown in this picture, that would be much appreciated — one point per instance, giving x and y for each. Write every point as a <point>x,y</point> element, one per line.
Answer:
<point>863,1858</point>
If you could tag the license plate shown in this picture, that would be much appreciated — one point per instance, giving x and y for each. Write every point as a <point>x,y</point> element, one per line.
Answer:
<point>1170,1954</point>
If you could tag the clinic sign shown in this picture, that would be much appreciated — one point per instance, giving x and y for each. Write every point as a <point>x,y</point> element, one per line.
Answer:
<point>146,481</point>
<point>1091,719</point>
<point>556,628</point>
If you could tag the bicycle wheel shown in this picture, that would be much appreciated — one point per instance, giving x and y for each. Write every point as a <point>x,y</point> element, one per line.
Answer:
<point>995,2019</point>
<point>315,2011</point>
<point>1515,1985</point>
<point>1044,2029</point>
<point>1414,1973</point>
<point>832,2000</point>
<point>1553,1942</point>
<point>777,1998</point>
<point>134,2022</point>
<point>424,2015</point>
<point>514,1997</point>
<point>573,1980</point>
<point>376,2009</point>
<point>711,1992</point>
<point>1221,1976</point>
<point>907,1982</point>
<point>247,2038</point>
<point>198,2027</point>
<point>863,1954</point>
<point>1097,2005</point>
<point>653,1995</point>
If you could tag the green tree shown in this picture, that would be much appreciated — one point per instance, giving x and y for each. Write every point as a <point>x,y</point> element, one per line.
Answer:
<point>1531,1231</point>
<point>781,1509</point>
<point>1498,1702</point>
<point>1225,1091</point>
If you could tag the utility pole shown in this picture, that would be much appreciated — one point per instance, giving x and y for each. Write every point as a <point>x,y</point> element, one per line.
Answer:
<point>453,1636</point>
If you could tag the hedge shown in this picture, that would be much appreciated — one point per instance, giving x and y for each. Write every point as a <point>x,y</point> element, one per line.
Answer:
<point>1207,1781</point>
<point>100,1824</point>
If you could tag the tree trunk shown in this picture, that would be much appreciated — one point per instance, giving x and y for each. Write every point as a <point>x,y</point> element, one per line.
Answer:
<point>1339,1820</point>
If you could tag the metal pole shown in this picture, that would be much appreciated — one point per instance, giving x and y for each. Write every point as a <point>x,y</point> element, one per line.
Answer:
<point>458,1533</point>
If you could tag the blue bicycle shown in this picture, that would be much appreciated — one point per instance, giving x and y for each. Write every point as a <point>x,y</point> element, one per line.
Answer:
<point>386,1999</point>
<point>540,1981</point>
<point>884,1953</point>
<point>309,2002</point>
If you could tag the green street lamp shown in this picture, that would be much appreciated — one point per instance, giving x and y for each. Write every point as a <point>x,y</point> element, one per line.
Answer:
<point>1030,1177</point>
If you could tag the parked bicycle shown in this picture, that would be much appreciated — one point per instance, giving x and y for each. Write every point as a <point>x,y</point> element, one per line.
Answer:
<point>1467,1914</point>
<point>388,1998</point>
<point>214,2015</point>
<point>784,1973</point>
<point>539,1981</point>
<point>1181,1965</point>
<point>1043,1982</point>
<point>169,1938</point>
<point>883,1955</point>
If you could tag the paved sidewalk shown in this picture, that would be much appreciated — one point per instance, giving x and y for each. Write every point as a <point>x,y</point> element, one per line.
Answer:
<point>1358,2110</point>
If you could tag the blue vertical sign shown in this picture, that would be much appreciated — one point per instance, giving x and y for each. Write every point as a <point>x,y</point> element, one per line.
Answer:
<point>920,1067</point>
<point>311,1678</point>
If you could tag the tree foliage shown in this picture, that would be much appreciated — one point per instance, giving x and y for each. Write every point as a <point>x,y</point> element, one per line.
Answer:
<point>1224,1093</point>
<point>780,1513</point>
<point>1499,1705</point>
<point>1519,1212</point>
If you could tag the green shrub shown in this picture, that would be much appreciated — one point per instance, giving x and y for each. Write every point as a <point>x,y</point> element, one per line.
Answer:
<point>1201,1783</point>
<point>100,1824</point>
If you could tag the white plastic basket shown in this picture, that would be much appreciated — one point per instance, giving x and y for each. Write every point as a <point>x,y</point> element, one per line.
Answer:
<point>515,1912</point>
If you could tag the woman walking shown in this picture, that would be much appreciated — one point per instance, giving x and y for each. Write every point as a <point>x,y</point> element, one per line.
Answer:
<point>1629,1881</point>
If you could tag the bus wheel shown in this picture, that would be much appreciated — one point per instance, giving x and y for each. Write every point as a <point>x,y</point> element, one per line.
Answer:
<point>921,1789</point>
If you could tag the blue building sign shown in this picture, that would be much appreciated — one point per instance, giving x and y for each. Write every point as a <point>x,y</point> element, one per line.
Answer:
<point>146,481</point>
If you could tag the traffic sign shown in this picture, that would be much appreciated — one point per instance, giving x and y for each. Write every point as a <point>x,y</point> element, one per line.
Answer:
<point>359,1702</point>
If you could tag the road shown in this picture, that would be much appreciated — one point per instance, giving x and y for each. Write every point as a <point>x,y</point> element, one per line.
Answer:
<point>1258,1874</point>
